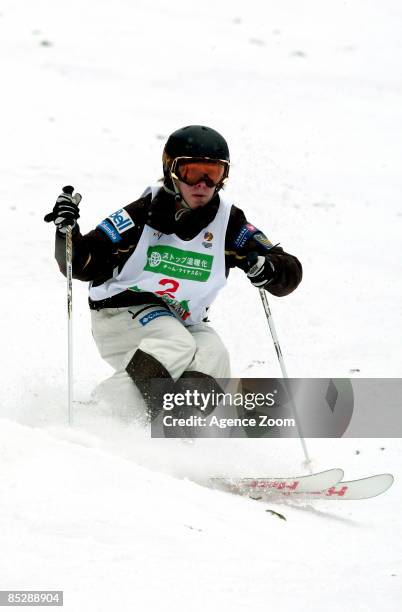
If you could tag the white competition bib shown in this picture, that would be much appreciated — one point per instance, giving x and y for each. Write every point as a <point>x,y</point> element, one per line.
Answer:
<point>186,274</point>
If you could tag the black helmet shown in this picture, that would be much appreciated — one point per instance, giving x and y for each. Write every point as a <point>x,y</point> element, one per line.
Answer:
<point>197,141</point>
<point>194,141</point>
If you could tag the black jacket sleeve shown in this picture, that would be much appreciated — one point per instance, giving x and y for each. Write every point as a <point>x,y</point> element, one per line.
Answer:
<point>243,238</point>
<point>93,256</point>
<point>99,253</point>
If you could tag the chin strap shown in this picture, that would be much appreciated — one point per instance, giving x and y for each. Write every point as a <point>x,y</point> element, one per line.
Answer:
<point>177,197</point>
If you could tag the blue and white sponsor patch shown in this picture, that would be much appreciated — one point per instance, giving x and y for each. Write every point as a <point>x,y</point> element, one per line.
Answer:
<point>246,231</point>
<point>154,315</point>
<point>110,230</point>
<point>121,220</point>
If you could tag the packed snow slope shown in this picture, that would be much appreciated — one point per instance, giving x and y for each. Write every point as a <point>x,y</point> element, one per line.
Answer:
<point>308,96</point>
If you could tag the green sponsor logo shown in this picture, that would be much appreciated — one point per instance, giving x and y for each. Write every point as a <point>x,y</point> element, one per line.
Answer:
<point>179,264</point>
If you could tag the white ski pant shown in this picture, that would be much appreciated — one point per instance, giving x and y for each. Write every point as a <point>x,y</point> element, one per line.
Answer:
<point>119,332</point>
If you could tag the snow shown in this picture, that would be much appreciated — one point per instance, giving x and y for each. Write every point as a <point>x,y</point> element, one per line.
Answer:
<point>309,97</point>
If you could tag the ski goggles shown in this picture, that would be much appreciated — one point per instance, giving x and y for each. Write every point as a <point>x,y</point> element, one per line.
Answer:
<point>192,170</point>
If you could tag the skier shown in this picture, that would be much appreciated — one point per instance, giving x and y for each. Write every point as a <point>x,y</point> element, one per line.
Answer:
<point>156,265</point>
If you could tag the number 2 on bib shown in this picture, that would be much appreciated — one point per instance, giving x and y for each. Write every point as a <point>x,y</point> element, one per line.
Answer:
<point>174,285</point>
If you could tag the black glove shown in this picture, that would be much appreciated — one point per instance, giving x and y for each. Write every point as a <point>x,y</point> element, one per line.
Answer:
<point>261,270</point>
<point>65,211</point>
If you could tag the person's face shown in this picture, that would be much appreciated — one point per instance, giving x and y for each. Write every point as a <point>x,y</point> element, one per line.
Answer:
<point>196,195</point>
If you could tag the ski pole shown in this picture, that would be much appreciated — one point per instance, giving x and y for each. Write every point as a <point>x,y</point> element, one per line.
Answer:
<point>68,190</point>
<point>264,299</point>
<point>69,275</point>
<point>69,269</point>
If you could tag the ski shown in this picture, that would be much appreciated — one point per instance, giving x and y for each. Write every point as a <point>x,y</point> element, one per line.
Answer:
<point>363,488</point>
<point>321,485</point>
<point>262,487</point>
